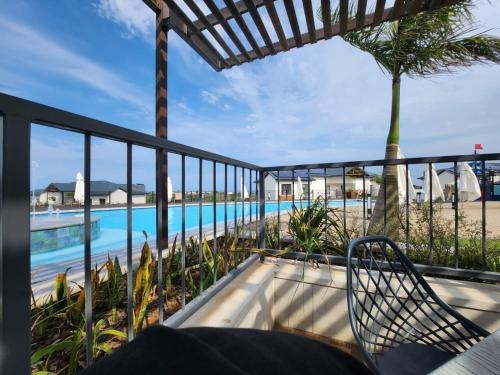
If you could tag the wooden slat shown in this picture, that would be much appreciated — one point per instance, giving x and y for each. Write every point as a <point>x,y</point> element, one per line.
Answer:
<point>379,11</point>
<point>326,14</point>
<point>273,15</point>
<point>198,13</point>
<point>230,32</point>
<point>294,24</point>
<point>416,7</point>
<point>308,11</point>
<point>185,28</point>
<point>360,14</point>
<point>254,13</point>
<point>343,15</point>
<point>243,26</point>
<point>226,13</point>
<point>320,33</point>
<point>398,9</point>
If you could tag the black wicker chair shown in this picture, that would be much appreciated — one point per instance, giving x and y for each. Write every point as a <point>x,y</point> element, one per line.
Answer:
<point>400,324</point>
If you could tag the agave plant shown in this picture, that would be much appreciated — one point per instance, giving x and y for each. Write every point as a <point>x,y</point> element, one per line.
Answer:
<point>116,285</point>
<point>317,229</point>
<point>143,285</point>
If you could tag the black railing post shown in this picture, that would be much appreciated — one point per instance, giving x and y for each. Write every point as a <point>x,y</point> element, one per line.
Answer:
<point>183,230</point>
<point>215,245</point>
<point>407,231</point>
<point>15,280</point>
<point>226,257</point>
<point>483,214</point>
<point>87,251</point>
<point>262,210</point>
<point>200,221</point>
<point>279,209</point>
<point>457,250</point>
<point>130,276</point>
<point>431,231</point>
<point>364,201</point>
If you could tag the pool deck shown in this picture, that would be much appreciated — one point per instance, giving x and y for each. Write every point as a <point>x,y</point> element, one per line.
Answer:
<point>43,276</point>
<point>55,222</point>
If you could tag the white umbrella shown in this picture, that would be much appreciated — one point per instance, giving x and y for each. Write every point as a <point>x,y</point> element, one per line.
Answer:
<point>468,186</point>
<point>170,191</point>
<point>243,189</point>
<point>79,196</point>
<point>300,190</point>
<point>402,182</point>
<point>437,190</point>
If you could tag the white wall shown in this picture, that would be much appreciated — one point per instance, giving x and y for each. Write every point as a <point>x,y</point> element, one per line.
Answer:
<point>118,197</point>
<point>334,186</point>
<point>47,197</point>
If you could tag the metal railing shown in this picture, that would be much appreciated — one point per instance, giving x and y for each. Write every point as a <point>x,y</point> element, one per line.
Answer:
<point>16,118</point>
<point>309,172</point>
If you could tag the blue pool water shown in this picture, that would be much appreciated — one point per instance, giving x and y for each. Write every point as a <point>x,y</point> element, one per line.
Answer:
<point>113,225</point>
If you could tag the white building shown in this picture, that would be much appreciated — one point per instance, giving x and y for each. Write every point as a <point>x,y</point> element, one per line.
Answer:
<point>101,193</point>
<point>288,184</point>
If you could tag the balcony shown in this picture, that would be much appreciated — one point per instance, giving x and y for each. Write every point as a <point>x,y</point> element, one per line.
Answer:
<point>87,265</point>
<point>211,275</point>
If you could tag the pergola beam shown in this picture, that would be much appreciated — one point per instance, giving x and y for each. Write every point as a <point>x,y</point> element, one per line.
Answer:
<point>191,31</point>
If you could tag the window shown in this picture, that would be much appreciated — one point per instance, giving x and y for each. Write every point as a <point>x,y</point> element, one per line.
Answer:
<point>102,201</point>
<point>286,189</point>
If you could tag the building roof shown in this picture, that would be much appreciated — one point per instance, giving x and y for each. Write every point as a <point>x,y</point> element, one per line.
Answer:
<point>96,187</point>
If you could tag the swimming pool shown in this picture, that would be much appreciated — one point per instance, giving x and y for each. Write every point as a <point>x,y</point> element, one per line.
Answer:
<point>113,223</point>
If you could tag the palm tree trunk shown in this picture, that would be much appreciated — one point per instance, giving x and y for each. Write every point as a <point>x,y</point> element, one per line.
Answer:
<point>388,223</point>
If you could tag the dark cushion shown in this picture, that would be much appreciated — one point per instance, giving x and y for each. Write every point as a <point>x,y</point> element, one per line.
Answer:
<point>162,350</point>
<point>412,359</point>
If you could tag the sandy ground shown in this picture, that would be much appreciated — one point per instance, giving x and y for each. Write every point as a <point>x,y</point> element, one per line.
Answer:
<point>471,210</point>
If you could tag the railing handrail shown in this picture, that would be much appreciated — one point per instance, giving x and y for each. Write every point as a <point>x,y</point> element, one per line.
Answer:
<point>58,118</point>
<point>383,162</point>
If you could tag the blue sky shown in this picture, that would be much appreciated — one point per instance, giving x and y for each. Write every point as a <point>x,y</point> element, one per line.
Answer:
<point>322,103</point>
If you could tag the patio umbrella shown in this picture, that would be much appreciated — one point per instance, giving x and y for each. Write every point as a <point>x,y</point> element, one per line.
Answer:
<point>437,190</point>
<point>243,189</point>
<point>468,185</point>
<point>170,191</point>
<point>402,182</point>
<point>79,196</point>
<point>300,190</point>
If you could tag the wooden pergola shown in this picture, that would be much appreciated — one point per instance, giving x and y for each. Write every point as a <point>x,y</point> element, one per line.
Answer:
<point>210,35</point>
<point>217,52</point>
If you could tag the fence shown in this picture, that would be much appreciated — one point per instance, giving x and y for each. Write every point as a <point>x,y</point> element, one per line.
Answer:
<point>16,119</point>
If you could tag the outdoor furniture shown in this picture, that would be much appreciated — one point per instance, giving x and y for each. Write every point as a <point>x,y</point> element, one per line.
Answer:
<point>482,358</point>
<point>221,351</point>
<point>400,324</point>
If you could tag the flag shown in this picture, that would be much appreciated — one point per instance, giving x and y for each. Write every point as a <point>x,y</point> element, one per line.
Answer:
<point>478,146</point>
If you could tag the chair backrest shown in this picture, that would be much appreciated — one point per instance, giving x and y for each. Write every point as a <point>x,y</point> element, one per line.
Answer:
<point>390,303</point>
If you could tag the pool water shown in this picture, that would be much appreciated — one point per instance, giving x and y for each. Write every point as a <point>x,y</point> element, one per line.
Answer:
<point>113,225</point>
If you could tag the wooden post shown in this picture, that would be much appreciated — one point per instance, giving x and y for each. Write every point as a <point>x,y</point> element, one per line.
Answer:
<point>161,155</point>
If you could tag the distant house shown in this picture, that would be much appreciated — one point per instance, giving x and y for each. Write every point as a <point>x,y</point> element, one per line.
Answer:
<point>101,192</point>
<point>333,187</point>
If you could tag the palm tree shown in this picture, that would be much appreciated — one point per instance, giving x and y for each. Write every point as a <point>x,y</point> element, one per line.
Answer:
<point>426,44</point>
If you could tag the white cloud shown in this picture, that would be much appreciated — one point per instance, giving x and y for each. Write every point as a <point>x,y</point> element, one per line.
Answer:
<point>330,102</point>
<point>210,97</point>
<point>23,46</point>
<point>137,18</point>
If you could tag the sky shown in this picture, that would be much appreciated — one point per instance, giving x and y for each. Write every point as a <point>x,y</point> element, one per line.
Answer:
<point>325,102</point>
